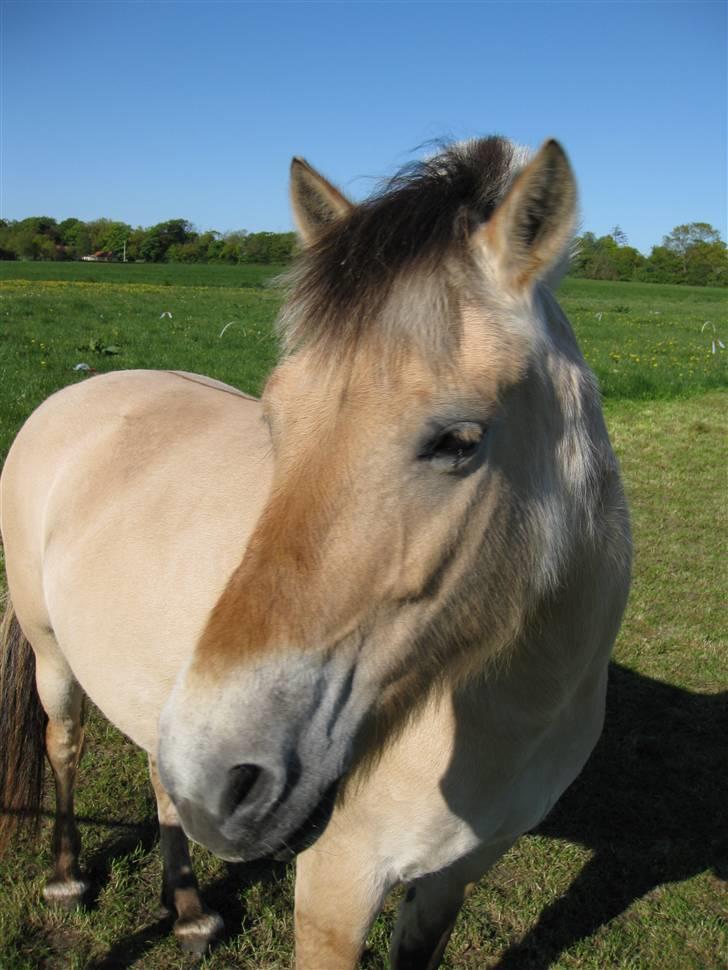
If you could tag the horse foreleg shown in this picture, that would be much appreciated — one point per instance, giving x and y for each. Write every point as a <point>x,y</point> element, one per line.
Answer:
<point>62,699</point>
<point>195,926</point>
<point>337,898</point>
<point>430,908</point>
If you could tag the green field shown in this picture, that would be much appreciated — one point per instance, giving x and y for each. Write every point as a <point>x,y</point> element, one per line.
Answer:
<point>627,871</point>
<point>158,274</point>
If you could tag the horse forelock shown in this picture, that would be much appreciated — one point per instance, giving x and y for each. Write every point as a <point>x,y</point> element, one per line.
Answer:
<point>382,267</point>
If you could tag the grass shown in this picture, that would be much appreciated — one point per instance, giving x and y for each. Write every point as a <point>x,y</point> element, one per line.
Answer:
<point>158,274</point>
<point>644,341</point>
<point>47,328</point>
<point>626,872</point>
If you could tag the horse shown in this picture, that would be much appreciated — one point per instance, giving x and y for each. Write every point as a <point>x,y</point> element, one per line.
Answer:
<point>367,618</point>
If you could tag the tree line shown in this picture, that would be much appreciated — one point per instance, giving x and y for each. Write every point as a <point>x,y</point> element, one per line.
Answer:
<point>173,241</point>
<point>692,254</point>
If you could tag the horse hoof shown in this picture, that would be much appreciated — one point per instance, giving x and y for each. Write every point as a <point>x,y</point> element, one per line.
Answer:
<point>196,934</point>
<point>65,894</point>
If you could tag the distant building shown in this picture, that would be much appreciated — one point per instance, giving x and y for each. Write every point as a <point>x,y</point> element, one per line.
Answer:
<point>102,256</point>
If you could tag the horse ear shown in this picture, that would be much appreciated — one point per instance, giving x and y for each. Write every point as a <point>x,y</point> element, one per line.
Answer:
<point>530,231</point>
<point>316,202</point>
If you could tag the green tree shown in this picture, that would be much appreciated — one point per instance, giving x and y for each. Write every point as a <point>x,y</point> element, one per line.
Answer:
<point>233,247</point>
<point>39,226</point>
<point>75,238</point>
<point>663,265</point>
<point>134,243</point>
<point>706,264</point>
<point>159,238</point>
<point>68,229</point>
<point>26,243</point>
<point>627,261</point>
<point>112,236</point>
<point>283,247</point>
<point>603,264</point>
<point>214,244</point>
<point>7,251</point>
<point>583,252</point>
<point>683,237</point>
<point>604,258</point>
<point>199,249</point>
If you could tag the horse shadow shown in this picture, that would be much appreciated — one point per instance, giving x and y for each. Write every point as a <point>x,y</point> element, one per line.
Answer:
<point>224,895</point>
<point>650,804</point>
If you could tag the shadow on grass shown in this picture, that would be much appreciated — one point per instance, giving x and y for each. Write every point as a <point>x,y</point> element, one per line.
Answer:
<point>131,948</point>
<point>224,895</point>
<point>650,804</point>
<point>123,841</point>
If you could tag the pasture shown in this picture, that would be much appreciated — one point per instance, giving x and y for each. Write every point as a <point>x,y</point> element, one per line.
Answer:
<point>626,871</point>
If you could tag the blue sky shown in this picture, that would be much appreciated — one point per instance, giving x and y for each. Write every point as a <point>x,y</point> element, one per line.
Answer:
<point>145,111</point>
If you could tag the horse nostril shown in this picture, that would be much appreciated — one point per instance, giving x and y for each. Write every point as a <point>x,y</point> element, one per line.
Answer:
<point>242,782</point>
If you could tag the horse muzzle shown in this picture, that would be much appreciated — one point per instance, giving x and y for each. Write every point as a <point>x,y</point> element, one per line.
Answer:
<point>253,765</point>
<point>234,841</point>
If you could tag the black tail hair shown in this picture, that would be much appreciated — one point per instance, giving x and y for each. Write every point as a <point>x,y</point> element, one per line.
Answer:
<point>22,733</point>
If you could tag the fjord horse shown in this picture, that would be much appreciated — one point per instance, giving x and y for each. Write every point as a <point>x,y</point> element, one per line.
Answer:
<point>385,594</point>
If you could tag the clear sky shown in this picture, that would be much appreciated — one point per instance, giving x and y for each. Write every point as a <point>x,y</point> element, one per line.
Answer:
<point>145,111</point>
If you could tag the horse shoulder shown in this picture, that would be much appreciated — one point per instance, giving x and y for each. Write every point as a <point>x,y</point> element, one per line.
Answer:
<point>136,492</point>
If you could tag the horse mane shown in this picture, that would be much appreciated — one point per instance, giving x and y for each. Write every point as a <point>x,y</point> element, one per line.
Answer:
<point>341,283</point>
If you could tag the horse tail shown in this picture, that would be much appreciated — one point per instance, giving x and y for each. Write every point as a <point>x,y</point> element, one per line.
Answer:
<point>22,733</point>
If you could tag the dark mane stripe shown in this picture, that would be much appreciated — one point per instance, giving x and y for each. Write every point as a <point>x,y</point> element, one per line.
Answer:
<point>341,282</point>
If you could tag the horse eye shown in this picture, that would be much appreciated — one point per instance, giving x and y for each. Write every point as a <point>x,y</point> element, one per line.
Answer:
<point>455,445</point>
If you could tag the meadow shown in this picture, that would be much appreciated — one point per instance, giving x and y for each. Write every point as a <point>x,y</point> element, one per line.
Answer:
<point>628,869</point>
<point>158,274</point>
